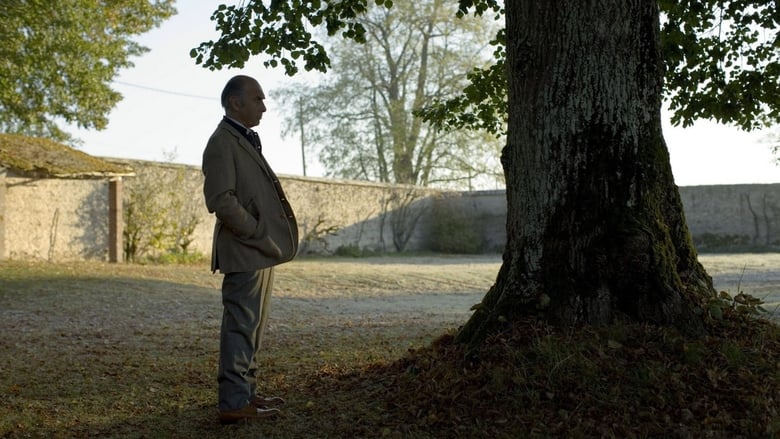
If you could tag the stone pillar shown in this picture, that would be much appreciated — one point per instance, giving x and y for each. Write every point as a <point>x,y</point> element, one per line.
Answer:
<point>115,224</point>
<point>3,212</point>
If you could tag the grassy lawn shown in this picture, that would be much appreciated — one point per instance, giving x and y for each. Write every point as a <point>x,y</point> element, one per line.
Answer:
<point>103,350</point>
<point>125,351</point>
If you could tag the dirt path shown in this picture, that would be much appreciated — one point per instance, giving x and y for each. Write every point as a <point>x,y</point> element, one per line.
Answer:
<point>386,291</point>
<point>445,288</point>
<point>757,274</point>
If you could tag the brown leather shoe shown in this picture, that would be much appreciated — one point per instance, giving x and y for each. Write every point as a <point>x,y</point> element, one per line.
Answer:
<point>264,402</point>
<point>246,414</point>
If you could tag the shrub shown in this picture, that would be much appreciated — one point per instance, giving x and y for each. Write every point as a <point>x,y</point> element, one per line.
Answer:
<point>349,250</point>
<point>161,212</point>
<point>453,230</point>
<point>178,257</point>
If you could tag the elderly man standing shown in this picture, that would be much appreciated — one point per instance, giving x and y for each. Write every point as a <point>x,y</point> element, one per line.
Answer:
<point>255,230</point>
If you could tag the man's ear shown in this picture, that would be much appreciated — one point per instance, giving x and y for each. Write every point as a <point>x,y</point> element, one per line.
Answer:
<point>234,102</point>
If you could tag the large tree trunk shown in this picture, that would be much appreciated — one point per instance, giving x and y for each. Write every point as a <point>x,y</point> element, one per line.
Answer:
<point>595,226</point>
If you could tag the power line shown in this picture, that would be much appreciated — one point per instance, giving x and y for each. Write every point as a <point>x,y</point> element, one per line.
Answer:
<point>169,92</point>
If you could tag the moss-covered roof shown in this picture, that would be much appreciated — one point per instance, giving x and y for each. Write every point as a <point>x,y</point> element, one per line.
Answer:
<point>37,157</point>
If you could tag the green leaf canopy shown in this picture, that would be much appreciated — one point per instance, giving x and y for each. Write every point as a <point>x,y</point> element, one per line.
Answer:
<point>57,60</point>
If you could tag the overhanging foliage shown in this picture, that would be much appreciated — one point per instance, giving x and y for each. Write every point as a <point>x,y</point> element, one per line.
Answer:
<point>722,57</point>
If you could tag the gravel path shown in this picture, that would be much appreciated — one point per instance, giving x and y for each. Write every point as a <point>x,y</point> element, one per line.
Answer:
<point>444,289</point>
<point>757,274</point>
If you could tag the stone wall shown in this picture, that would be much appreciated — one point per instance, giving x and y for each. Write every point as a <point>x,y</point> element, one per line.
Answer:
<point>733,215</point>
<point>335,214</point>
<point>331,213</point>
<point>52,219</point>
<point>62,219</point>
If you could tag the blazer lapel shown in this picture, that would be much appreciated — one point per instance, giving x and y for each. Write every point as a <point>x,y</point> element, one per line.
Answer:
<point>250,149</point>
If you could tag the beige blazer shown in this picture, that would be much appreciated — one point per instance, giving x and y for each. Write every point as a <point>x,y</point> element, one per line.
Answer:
<point>255,227</point>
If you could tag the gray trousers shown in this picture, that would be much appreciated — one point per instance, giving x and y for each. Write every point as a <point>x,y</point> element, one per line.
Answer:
<point>246,299</point>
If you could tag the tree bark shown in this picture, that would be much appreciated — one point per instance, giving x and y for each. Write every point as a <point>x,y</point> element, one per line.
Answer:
<point>595,225</point>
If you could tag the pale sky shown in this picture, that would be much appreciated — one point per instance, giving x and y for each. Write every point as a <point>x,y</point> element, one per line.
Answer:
<point>171,106</point>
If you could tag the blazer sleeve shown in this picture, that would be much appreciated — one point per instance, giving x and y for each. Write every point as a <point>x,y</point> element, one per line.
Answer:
<point>219,189</point>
